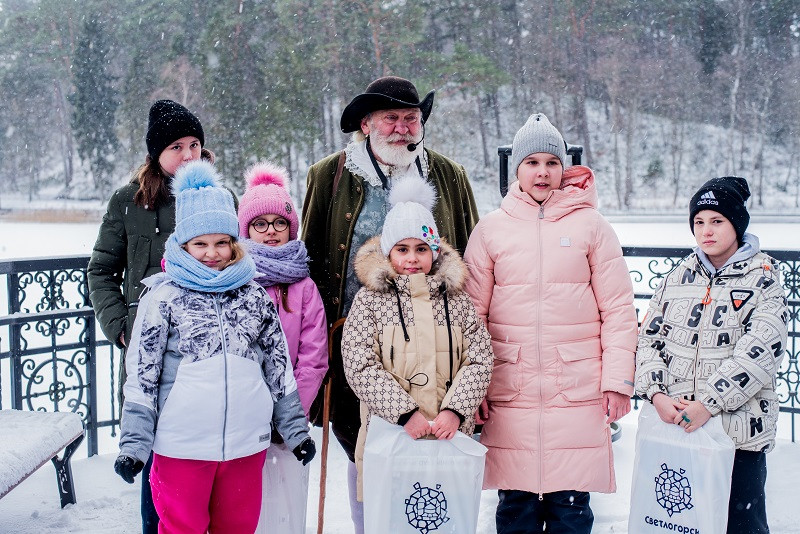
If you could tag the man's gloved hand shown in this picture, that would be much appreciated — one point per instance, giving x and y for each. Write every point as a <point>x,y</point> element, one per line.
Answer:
<point>306,451</point>
<point>128,467</point>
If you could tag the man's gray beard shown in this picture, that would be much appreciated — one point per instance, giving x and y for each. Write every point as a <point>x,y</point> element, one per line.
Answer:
<point>397,156</point>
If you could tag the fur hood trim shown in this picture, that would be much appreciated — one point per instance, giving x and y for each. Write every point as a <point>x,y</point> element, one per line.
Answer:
<point>375,272</point>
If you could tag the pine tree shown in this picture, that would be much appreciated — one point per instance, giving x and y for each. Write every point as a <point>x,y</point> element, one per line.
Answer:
<point>94,105</point>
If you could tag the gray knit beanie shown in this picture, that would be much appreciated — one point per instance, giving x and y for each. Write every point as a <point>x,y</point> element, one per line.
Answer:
<point>537,135</point>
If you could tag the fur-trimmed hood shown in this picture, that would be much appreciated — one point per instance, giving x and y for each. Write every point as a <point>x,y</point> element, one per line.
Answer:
<point>375,271</point>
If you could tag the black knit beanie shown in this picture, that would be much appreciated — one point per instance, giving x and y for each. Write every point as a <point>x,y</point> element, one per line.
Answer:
<point>726,195</point>
<point>168,122</point>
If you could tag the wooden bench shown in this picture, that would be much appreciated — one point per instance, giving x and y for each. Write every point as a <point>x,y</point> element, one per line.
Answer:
<point>29,439</point>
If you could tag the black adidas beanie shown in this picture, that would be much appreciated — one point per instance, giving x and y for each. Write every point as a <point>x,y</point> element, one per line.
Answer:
<point>168,122</point>
<point>726,195</point>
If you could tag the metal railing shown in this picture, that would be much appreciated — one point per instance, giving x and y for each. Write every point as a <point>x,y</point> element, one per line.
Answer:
<point>649,265</point>
<point>53,355</point>
<point>51,349</point>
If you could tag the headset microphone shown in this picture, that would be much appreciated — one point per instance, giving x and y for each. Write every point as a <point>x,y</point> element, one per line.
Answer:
<point>413,146</point>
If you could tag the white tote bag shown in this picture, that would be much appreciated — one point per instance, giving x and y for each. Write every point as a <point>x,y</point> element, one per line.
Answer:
<point>284,495</point>
<point>420,486</point>
<point>681,481</point>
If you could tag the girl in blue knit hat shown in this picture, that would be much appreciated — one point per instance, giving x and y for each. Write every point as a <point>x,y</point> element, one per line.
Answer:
<point>207,371</point>
<point>132,236</point>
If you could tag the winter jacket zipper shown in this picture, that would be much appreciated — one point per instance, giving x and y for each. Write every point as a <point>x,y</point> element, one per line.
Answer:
<point>224,373</point>
<point>703,316</point>
<point>705,302</point>
<point>539,345</point>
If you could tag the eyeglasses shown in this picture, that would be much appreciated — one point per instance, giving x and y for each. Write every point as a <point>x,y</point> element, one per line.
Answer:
<point>262,226</point>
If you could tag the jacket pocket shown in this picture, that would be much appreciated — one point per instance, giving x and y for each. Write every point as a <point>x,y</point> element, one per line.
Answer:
<point>506,377</point>
<point>580,370</point>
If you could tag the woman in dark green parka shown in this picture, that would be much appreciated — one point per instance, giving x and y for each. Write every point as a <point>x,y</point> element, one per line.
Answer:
<point>130,244</point>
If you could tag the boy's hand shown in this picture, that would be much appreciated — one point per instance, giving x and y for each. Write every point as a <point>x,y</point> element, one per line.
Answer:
<point>445,425</point>
<point>128,468</point>
<point>417,426</point>
<point>482,415</point>
<point>615,405</point>
<point>668,408</point>
<point>693,416</point>
<point>306,451</point>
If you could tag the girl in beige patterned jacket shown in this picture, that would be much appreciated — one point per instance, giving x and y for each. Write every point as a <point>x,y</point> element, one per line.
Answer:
<point>414,350</point>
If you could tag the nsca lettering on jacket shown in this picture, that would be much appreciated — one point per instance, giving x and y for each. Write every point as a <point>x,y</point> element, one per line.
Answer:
<point>673,527</point>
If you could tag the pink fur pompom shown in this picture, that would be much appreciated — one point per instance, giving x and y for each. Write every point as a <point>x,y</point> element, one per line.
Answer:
<point>266,173</point>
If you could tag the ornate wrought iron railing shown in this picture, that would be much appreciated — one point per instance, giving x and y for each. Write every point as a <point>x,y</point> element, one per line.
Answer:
<point>649,265</point>
<point>52,353</point>
<point>53,356</point>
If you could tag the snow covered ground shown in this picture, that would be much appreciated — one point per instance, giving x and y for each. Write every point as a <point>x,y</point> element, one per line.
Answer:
<point>106,504</point>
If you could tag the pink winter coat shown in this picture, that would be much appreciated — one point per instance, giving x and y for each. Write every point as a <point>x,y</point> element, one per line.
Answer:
<point>307,336</point>
<point>552,285</point>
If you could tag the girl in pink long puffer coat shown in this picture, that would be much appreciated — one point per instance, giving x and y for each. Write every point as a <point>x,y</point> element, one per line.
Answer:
<point>548,277</point>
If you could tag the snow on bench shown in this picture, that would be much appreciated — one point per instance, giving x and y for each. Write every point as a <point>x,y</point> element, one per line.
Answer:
<point>29,439</point>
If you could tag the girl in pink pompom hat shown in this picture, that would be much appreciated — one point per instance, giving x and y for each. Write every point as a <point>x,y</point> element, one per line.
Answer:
<point>268,226</point>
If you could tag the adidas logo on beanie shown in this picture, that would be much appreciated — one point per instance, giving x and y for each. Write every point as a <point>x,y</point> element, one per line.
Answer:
<point>726,195</point>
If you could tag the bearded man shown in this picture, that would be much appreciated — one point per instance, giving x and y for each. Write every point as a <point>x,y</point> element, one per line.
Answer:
<point>346,204</point>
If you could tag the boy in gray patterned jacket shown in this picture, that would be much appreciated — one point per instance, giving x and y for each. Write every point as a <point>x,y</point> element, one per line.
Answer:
<point>208,370</point>
<point>713,340</point>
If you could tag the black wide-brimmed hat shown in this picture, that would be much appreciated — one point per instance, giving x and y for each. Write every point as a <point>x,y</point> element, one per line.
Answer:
<point>388,92</point>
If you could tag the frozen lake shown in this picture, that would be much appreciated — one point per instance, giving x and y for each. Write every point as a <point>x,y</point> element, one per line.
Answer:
<point>18,240</point>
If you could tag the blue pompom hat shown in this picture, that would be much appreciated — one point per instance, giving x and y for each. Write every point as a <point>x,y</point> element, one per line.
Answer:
<point>202,206</point>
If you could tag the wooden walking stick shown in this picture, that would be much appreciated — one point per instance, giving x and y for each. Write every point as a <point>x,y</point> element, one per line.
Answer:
<point>326,416</point>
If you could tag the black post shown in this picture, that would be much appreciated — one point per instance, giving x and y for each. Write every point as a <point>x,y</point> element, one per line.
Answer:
<point>15,331</point>
<point>504,152</point>
<point>91,353</point>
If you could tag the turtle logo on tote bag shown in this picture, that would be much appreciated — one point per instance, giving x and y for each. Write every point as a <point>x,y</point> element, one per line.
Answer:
<point>673,490</point>
<point>426,508</point>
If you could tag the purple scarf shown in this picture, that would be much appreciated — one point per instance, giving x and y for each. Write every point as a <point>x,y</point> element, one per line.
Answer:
<point>285,264</point>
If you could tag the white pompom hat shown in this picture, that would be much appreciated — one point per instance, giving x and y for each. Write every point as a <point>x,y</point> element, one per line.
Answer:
<point>412,199</point>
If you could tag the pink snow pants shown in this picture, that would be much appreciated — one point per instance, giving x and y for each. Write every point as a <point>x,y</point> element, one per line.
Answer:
<point>199,496</point>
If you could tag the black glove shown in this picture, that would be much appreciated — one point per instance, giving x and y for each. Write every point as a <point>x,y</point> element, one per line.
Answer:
<point>128,467</point>
<point>306,451</point>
